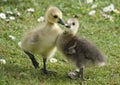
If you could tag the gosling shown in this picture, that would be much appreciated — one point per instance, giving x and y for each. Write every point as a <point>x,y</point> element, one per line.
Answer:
<point>42,40</point>
<point>78,50</point>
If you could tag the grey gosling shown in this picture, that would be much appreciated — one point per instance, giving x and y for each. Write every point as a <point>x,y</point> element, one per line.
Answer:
<point>78,50</point>
<point>41,40</point>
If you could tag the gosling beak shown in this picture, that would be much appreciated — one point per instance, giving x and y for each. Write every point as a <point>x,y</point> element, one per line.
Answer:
<point>67,25</point>
<point>61,22</point>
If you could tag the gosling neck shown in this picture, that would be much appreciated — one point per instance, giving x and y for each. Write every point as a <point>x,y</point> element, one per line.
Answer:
<point>49,23</point>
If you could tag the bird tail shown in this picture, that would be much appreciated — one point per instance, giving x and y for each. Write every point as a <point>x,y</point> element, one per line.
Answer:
<point>101,64</point>
<point>101,61</point>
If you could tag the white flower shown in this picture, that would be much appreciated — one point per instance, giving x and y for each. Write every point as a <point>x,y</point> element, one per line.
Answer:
<point>23,73</point>
<point>77,70</point>
<point>108,16</point>
<point>89,1</point>
<point>111,18</point>
<point>2,16</point>
<point>4,0</point>
<point>19,44</point>
<point>41,19</point>
<point>18,14</point>
<point>9,12</point>
<point>72,75</point>
<point>7,20</point>
<point>94,6</point>
<point>12,37</point>
<point>92,13</point>
<point>3,61</point>
<point>12,18</point>
<point>109,8</point>
<point>104,15</point>
<point>31,10</point>
<point>53,60</point>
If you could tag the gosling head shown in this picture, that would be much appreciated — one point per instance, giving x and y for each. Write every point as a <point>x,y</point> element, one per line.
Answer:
<point>54,15</point>
<point>72,25</point>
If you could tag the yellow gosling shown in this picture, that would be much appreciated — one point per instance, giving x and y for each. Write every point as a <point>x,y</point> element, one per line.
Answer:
<point>41,40</point>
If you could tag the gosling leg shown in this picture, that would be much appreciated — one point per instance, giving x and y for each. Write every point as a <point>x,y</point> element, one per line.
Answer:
<point>81,73</point>
<point>31,56</point>
<point>44,66</point>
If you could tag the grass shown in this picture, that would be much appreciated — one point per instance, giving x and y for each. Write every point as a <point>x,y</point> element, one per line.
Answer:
<point>18,69</point>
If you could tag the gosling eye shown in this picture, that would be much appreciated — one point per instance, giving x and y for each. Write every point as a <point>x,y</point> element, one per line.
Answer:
<point>55,16</point>
<point>73,23</point>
